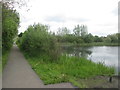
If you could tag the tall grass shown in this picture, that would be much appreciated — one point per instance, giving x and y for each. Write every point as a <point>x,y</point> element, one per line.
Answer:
<point>67,69</point>
<point>4,59</point>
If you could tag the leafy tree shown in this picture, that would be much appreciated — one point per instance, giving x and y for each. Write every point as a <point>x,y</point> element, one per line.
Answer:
<point>88,38</point>
<point>70,38</point>
<point>77,30</point>
<point>114,38</point>
<point>107,40</point>
<point>83,30</point>
<point>10,23</point>
<point>79,40</point>
<point>98,39</point>
<point>80,30</point>
<point>63,31</point>
<point>38,41</point>
<point>11,3</point>
<point>118,35</point>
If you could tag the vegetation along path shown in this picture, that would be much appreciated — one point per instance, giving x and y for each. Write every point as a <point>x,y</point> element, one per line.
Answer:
<point>19,74</point>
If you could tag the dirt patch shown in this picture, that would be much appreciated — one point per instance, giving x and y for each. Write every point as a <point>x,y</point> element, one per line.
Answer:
<point>100,82</point>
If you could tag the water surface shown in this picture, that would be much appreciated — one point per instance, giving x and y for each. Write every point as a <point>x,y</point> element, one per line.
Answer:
<point>105,54</point>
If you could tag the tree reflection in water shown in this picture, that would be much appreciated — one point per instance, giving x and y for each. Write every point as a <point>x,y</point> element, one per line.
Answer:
<point>77,51</point>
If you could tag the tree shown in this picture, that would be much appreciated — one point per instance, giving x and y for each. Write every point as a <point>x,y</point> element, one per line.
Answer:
<point>83,30</point>
<point>79,40</point>
<point>20,35</point>
<point>11,3</point>
<point>88,38</point>
<point>10,24</point>
<point>118,35</point>
<point>77,30</point>
<point>97,39</point>
<point>107,40</point>
<point>38,41</point>
<point>80,30</point>
<point>63,31</point>
<point>114,38</point>
<point>10,21</point>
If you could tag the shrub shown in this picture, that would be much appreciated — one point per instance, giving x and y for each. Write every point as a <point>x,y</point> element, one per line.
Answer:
<point>38,41</point>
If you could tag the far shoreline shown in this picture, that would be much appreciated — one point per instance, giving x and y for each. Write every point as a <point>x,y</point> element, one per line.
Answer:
<point>89,44</point>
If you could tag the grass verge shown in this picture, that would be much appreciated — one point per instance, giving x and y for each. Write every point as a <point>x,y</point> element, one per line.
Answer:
<point>67,69</point>
<point>4,59</point>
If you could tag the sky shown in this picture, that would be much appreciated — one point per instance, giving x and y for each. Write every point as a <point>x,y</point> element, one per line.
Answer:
<point>100,16</point>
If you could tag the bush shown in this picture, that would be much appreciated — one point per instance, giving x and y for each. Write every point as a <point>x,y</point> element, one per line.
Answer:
<point>38,41</point>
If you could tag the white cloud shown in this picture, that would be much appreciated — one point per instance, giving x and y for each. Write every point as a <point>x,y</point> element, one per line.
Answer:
<point>96,14</point>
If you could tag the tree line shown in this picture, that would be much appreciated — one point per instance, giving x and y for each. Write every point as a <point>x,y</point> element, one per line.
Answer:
<point>80,35</point>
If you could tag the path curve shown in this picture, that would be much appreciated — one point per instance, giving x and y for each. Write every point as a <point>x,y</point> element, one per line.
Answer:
<point>19,74</point>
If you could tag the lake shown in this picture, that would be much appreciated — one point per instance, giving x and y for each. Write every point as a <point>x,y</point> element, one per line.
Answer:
<point>105,54</point>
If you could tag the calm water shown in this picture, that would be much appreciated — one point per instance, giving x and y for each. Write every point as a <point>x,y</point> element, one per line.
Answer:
<point>106,54</point>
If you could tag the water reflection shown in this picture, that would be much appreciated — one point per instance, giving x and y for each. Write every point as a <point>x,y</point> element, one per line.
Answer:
<point>106,54</point>
<point>77,51</point>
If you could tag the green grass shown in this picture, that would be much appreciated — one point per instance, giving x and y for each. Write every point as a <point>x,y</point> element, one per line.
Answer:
<point>4,59</point>
<point>67,69</point>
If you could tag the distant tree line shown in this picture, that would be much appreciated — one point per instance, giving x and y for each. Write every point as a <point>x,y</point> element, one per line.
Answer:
<point>81,35</point>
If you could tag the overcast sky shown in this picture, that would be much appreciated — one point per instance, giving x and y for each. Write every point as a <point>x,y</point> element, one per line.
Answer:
<point>100,16</point>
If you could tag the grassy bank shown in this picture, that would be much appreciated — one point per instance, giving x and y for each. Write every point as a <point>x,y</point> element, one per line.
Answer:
<point>90,44</point>
<point>4,59</point>
<point>67,69</point>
